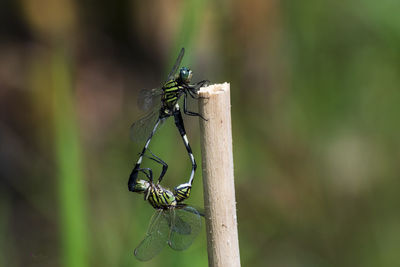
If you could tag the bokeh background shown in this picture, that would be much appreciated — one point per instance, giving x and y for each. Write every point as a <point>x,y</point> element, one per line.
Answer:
<point>315,114</point>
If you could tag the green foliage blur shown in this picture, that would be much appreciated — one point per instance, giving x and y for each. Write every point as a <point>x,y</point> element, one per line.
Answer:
<point>315,114</point>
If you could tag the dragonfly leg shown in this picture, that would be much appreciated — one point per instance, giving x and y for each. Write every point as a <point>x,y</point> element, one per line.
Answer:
<point>188,112</point>
<point>158,160</point>
<point>134,174</point>
<point>200,84</point>
<point>148,175</point>
<point>193,93</point>
<point>179,124</point>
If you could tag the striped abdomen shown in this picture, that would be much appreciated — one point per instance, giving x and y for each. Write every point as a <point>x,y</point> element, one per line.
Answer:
<point>182,192</point>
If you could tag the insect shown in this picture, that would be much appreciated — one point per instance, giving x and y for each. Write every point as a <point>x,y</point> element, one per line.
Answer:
<point>173,222</point>
<point>163,103</point>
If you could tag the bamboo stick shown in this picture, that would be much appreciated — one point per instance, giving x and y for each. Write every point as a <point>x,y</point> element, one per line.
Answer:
<point>218,180</point>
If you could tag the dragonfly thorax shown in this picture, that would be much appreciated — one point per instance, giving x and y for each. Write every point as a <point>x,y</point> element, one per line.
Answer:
<point>159,197</point>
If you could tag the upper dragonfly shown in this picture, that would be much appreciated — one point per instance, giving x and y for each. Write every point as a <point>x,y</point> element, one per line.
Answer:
<point>163,103</point>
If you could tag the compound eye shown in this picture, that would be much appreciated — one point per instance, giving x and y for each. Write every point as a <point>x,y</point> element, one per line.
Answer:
<point>185,74</point>
<point>190,75</point>
<point>141,186</point>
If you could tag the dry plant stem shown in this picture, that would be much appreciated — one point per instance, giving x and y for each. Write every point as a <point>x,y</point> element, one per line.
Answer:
<point>219,190</point>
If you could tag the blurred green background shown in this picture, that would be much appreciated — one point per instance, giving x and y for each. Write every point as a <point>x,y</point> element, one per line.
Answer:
<point>315,114</point>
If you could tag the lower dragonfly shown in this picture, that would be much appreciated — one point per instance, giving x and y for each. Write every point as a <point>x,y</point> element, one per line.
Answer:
<point>173,223</point>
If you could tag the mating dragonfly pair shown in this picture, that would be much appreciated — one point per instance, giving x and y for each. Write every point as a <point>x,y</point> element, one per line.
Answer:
<point>174,222</point>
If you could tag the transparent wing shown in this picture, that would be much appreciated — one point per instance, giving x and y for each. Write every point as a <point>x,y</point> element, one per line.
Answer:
<point>195,209</point>
<point>148,99</point>
<point>141,129</point>
<point>155,239</point>
<point>180,226</point>
<point>176,65</point>
<point>185,225</point>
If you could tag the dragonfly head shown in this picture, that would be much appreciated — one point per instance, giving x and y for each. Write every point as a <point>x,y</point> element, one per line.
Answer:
<point>141,186</point>
<point>185,74</point>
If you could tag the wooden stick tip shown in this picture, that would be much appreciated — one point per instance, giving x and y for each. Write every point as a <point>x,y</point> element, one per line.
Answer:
<point>214,89</point>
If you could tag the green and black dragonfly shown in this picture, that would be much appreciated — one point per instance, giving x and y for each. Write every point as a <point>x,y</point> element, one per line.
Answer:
<point>163,103</point>
<point>173,222</point>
